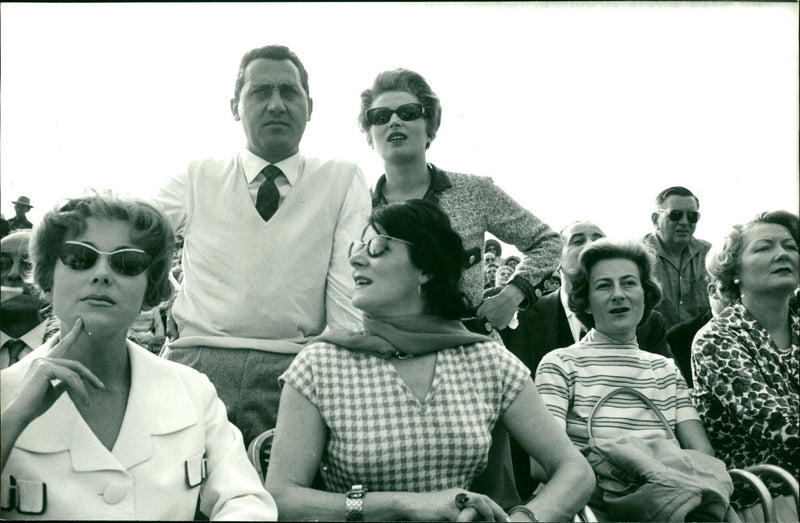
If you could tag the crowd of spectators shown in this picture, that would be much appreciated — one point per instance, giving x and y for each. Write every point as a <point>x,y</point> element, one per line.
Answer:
<point>397,364</point>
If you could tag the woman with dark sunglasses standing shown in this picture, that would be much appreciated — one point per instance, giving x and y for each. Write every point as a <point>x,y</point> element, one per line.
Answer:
<point>398,418</point>
<point>96,427</point>
<point>400,115</point>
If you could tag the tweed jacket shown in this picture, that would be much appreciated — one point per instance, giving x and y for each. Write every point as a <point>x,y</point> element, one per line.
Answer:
<point>476,206</point>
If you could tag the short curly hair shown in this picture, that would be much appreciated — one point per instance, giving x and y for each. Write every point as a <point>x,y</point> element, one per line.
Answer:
<point>604,249</point>
<point>435,248</point>
<point>150,231</point>
<point>410,82</point>
<point>723,263</point>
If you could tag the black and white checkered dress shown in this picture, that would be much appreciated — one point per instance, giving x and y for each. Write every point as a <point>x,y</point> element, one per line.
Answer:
<point>382,436</point>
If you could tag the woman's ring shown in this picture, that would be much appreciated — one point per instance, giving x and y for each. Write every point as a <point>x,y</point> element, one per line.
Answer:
<point>461,501</point>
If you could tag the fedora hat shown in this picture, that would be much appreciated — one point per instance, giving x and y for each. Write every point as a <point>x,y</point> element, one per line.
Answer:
<point>23,200</point>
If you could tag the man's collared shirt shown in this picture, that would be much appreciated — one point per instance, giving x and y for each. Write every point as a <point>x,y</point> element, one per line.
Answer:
<point>575,324</point>
<point>291,168</point>
<point>684,287</point>
<point>33,338</point>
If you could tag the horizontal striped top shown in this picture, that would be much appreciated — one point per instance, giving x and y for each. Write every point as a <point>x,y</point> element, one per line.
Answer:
<point>572,380</point>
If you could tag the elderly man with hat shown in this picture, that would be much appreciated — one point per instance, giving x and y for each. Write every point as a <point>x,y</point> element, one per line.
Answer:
<point>21,207</point>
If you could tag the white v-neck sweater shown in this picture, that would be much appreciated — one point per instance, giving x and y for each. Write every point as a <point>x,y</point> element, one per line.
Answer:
<point>250,283</point>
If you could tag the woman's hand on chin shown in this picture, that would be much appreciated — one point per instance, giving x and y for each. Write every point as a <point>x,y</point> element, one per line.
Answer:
<point>48,377</point>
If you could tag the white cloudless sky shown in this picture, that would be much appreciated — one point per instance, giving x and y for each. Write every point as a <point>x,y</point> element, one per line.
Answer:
<point>578,110</point>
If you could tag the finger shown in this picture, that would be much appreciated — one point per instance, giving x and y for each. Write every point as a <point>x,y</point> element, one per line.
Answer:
<point>61,348</point>
<point>497,510</point>
<point>80,369</point>
<point>468,514</point>
<point>69,379</point>
<point>483,508</point>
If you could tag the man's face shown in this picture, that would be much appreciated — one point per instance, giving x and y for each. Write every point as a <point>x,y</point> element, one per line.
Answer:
<point>577,238</point>
<point>273,108</point>
<point>679,233</point>
<point>21,209</point>
<point>15,266</point>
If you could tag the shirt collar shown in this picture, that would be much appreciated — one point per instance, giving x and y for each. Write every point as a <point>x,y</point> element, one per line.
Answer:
<point>565,302</point>
<point>253,165</point>
<point>693,247</point>
<point>575,324</point>
<point>439,182</point>
<point>33,338</point>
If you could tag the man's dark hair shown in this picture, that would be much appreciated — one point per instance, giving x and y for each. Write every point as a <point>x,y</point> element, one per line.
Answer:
<point>674,191</point>
<point>270,52</point>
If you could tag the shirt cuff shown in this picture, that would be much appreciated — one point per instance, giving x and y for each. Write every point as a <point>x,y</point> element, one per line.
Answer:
<point>527,289</point>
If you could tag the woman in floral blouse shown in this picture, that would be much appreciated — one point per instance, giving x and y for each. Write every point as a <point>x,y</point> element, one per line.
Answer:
<point>745,360</point>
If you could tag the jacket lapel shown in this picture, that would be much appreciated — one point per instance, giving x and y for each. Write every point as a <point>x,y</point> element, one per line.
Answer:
<point>72,434</point>
<point>158,404</point>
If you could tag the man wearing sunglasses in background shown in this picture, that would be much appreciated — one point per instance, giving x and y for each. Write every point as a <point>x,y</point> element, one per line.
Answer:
<point>681,257</point>
<point>21,320</point>
<point>266,235</point>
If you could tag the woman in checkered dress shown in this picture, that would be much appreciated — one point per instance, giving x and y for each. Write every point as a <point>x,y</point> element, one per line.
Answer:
<point>406,407</point>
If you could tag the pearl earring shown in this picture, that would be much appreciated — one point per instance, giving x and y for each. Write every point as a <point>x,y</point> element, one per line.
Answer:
<point>736,281</point>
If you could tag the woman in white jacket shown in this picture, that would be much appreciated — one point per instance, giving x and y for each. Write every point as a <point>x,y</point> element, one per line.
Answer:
<point>135,436</point>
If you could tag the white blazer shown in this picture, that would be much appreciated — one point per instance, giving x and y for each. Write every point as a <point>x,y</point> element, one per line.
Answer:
<point>175,445</point>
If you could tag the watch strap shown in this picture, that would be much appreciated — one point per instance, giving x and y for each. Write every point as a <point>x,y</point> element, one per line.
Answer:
<point>354,503</point>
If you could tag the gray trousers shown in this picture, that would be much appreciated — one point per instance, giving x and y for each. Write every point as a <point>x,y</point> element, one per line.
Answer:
<point>246,381</point>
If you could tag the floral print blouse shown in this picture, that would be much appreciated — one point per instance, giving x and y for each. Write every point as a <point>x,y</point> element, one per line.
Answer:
<point>746,390</point>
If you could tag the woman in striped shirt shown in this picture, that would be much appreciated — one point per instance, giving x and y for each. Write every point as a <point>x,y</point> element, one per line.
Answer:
<point>613,291</point>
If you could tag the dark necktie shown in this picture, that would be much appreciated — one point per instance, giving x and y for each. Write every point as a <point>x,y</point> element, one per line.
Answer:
<point>15,348</point>
<point>268,195</point>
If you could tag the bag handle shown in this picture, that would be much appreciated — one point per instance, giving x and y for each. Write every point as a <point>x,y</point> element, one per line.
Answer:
<point>639,395</point>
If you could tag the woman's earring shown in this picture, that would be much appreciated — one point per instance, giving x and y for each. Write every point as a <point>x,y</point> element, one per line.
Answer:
<point>736,281</point>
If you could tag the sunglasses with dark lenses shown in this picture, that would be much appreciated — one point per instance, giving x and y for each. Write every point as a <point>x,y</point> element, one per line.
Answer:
<point>376,245</point>
<point>676,215</point>
<point>79,256</point>
<point>7,262</point>
<point>406,112</point>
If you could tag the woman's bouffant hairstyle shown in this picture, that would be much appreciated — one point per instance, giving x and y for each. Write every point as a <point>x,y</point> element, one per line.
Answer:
<point>435,248</point>
<point>150,231</point>
<point>600,250</point>
<point>410,82</point>
<point>723,263</point>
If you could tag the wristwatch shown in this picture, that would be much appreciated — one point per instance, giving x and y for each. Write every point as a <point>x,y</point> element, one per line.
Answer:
<point>354,503</point>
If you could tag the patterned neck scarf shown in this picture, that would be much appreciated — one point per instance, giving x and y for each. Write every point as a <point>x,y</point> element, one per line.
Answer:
<point>403,336</point>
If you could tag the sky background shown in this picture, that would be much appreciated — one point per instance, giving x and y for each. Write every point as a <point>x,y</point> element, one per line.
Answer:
<point>578,110</point>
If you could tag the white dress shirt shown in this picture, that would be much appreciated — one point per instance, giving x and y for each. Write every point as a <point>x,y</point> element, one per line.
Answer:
<point>575,324</point>
<point>33,338</point>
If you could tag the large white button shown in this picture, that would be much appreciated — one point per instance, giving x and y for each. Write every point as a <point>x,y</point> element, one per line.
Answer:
<point>113,494</point>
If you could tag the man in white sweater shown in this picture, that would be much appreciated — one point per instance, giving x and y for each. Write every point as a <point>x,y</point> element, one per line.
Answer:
<point>266,238</point>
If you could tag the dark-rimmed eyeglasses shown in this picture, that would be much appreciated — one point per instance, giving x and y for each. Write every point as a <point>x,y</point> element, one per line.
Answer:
<point>676,215</point>
<point>376,245</point>
<point>79,256</point>
<point>406,112</point>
